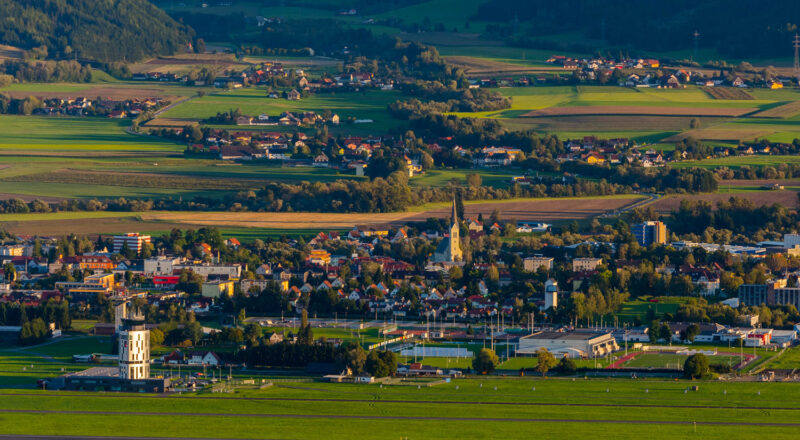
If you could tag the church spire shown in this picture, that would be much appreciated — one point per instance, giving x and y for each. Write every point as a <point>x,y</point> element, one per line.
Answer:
<point>454,216</point>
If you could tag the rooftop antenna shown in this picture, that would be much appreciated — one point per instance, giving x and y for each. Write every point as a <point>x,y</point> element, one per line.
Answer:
<point>695,35</point>
<point>796,45</point>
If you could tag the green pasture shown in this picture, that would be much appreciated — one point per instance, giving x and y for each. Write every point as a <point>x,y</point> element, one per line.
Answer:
<point>253,101</point>
<point>663,360</point>
<point>788,360</point>
<point>739,161</point>
<point>523,405</point>
<point>70,135</point>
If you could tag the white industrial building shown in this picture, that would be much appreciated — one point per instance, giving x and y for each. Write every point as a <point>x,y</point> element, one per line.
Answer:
<point>570,344</point>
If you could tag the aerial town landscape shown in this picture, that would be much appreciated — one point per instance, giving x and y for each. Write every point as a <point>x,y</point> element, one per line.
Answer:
<point>418,219</point>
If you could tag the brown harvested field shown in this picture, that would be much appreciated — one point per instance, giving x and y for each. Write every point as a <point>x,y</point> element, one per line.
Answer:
<point>758,182</point>
<point>484,66</point>
<point>785,198</point>
<point>720,134</point>
<point>637,110</point>
<point>185,62</point>
<point>89,227</point>
<point>781,111</point>
<point>728,93</point>
<point>530,210</point>
<point>171,122</point>
<point>10,52</point>
<point>602,123</point>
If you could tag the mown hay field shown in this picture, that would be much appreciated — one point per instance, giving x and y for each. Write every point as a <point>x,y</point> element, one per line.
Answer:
<point>782,111</point>
<point>673,202</point>
<point>638,110</point>
<point>728,93</point>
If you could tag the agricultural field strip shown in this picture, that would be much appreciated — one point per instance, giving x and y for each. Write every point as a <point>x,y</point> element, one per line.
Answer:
<point>408,401</point>
<point>396,417</point>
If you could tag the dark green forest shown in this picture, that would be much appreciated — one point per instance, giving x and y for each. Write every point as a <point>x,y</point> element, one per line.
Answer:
<point>91,30</point>
<point>735,28</point>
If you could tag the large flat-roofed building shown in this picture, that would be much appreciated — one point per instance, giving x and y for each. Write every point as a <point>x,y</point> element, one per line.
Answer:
<point>107,379</point>
<point>133,240</point>
<point>570,344</point>
<point>758,294</point>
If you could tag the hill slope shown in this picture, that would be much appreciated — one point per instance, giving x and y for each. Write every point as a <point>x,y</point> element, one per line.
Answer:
<point>735,28</point>
<point>98,30</point>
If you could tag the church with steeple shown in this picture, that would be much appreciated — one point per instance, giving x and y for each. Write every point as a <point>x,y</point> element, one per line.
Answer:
<point>449,249</point>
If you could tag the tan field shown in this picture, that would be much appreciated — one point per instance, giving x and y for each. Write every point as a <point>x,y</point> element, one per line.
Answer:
<point>786,198</point>
<point>638,110</point>
<point>527,210</point>
<point>781,111</point>
<point>602,123</point>
<point>720,134</point>
<point>484,66</point>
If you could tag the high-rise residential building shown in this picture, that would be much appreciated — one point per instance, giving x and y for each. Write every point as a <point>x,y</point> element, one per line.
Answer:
<point>133,240</point>
<point>650,232</point>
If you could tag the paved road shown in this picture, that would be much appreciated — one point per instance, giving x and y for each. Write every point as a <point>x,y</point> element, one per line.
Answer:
<point>422,402</point>
<point>419,418</point>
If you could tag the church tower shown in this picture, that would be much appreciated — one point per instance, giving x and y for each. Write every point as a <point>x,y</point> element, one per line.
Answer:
<point>455,253</point>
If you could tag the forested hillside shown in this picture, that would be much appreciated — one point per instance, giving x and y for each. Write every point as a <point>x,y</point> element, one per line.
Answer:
<point>735,28</point>
<point>99,30</point>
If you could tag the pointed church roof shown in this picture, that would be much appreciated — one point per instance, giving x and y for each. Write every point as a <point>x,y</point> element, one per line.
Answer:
<point>454,217</point>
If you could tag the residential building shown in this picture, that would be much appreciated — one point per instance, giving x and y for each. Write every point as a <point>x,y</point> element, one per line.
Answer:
<point>585,264</point>
<point>651,232</point>
<point>532,264</point>
<point>132,240</point>
<point>217,288</point>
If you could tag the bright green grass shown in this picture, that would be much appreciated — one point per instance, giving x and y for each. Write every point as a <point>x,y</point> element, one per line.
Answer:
<point>662,360</point>
<point>738,161</point>
<point>442,177</point>
<point>64,349</point>
<point>67,135</point>
<point>253,101</point>
<point>789,360</point>
<point>639,307</point>
<point>422,403</point>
